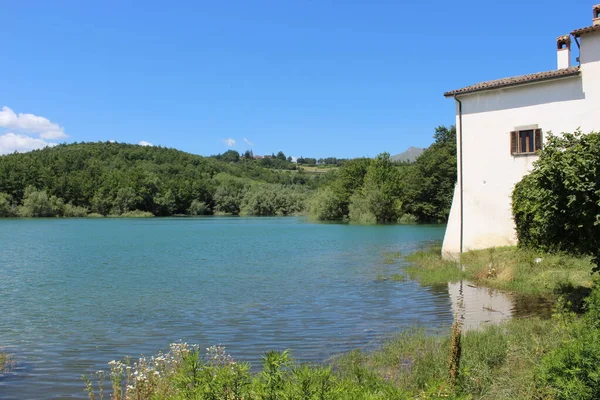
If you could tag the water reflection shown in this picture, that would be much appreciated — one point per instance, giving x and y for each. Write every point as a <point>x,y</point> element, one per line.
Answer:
<point>480,306</point>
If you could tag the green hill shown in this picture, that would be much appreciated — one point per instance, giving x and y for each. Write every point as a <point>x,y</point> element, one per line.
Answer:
<point>115,178</point>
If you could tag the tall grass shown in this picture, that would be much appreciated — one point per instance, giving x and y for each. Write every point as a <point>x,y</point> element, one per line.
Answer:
<point>183,373</point>
<point>498,362</point>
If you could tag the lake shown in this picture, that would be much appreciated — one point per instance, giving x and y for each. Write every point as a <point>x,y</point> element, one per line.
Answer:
<point>77,293</point>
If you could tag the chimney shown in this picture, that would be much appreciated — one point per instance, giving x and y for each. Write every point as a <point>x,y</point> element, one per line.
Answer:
<point>564,51</point>
<point>596,15</point>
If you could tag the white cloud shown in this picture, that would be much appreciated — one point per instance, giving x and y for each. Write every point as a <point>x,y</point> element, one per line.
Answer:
<point>41,126</point>
<point>11,142</point>
<point>229,142</point>
<point>112,141</point>
<point>249,143</point>
<point>144,143</point>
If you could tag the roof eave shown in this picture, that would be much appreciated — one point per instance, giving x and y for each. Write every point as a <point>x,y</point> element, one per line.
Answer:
<point>456,93</point>
<point>586,30</point>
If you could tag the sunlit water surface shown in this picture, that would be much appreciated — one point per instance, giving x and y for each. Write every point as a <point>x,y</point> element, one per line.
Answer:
<point>75,294</point>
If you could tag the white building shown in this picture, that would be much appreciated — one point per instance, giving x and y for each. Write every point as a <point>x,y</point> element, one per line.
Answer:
<point>500,126</point>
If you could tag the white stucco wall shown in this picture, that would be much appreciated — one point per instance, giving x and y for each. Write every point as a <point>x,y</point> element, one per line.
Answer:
<point>490,171</point>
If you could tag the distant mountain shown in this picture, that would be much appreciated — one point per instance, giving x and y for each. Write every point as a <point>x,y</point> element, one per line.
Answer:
<point>409,155</point>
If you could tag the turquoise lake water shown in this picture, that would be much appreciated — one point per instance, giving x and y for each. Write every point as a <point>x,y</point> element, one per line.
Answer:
<point>77,293</point>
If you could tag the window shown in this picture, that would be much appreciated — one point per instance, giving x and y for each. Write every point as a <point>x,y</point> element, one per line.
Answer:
<point>527,141</point>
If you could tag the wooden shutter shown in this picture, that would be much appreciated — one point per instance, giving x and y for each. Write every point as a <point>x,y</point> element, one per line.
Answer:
<point>514,142</point>
<point>537,140</point>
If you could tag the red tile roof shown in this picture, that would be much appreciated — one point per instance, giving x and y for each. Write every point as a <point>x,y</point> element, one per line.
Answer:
<point>517,80</point>
<point>587,29</point>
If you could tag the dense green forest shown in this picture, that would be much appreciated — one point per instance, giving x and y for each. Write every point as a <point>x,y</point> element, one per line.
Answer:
<point>104,179</point>
<point>115,179</point>
<point>381,191</point>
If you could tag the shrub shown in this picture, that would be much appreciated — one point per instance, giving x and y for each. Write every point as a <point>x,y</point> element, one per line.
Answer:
<point>125,200</point>
<point>37,203</point>
<point>164,203</point>
<point>379,198</point>
<point>95,215</point>
<point>557,206</point>
<point>268,200</point>
<point>198,208</point>
<point>360,209</point>
<point>572,371</point>
<point>408,219</point>
<point>72,211</point>
<point>137,214</point>
<point>229,194</point>
<point>326,205</point>
<point>7,208</point>
<point>259,200</point>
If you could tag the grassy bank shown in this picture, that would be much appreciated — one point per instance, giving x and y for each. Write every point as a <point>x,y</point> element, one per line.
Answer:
<point>499,362</point>
<point>505,268</point>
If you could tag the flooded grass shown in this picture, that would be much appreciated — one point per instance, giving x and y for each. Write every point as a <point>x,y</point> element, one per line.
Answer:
<point>393,278</point>
<point>498,362</point>
<point>429,268</point>
<point>505,268</point>
<point>6,362</point>
<point>392,258</point>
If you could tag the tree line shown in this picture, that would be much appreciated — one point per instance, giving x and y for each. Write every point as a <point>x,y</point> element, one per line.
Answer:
<point>279,160</point>
<point>382,191</point>
<point>116,179</point>
<point>106,179</point>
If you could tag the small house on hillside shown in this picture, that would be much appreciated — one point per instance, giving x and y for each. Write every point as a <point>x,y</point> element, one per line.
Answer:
<point>501,125</point>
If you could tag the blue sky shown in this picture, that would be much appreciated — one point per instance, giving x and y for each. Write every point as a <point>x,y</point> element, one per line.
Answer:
<point>312,78</point>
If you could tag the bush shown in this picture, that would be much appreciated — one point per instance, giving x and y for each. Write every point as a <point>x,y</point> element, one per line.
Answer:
<point>572,371</point>
<point>360,209</point>
<point>37,203</point>
<point>379,198</point>
<point>268,200</point>
<point>557,206</point>
<point>259,200</point>
<point>95,215</point>
<point>72,211</point>
<point>229,194</point>
<point>7,209</point>
<point>408,219</point>
<point>137,214</point>
<point>326,205</point>
<point>364,191</point>
<point>198,208</point>
<point>125,200</point>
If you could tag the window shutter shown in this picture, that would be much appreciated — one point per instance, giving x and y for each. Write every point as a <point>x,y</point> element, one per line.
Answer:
<point>538,140</point>
<point>514,142</point>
